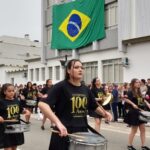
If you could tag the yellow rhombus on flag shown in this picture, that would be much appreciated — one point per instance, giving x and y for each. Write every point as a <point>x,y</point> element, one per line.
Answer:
<point>77,25</point>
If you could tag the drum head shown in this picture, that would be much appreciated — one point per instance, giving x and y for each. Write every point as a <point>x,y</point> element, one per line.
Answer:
<point>88,138</point>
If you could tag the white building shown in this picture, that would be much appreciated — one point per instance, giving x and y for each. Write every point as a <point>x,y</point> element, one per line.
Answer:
<point>121,56</point>
<point>13,53</point>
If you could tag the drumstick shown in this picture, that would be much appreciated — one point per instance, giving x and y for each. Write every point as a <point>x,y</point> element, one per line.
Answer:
<point>13,120</point>
<point>72,135</point>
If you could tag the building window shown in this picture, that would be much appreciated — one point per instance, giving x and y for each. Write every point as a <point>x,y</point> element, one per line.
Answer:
<point>31,74</point>
<point>50,72</point>
<point>111,15</point>
<point>90,71</point>
<point>57,72</point>
<point>112,71</point>
<point>43,73</point>
<point>37,74</point>
<point>49,34</point>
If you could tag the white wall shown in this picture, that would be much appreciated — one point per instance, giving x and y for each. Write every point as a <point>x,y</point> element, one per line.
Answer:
<point>139,61</point>
<point>133,19</point>
<point>5,77</point>
<point>18,77</point>
<point>2,75</point>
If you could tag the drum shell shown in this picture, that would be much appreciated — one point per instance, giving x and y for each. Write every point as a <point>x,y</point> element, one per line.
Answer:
<point>31,103</point>
<point>17,128</point>
<point>144,116</point>
<point>100,144</point>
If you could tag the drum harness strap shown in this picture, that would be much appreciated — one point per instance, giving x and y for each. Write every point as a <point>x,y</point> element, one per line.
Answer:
<point>24,121</point>
<point>94,131</point>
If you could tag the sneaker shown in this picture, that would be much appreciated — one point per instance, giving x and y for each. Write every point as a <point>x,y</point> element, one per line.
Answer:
<point>131,148</point>
<point>145,148</point>
<point>42,127</point>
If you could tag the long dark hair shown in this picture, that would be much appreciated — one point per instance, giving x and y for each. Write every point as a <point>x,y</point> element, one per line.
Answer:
<point>28,85</point>
<point>69,65</point>
<point>135,93</point>
<point>47,82</point>
<point>3,89</point>
<point>93,82</point>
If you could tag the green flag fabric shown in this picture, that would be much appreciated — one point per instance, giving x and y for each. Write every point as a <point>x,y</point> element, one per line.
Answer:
<point>77,23</point>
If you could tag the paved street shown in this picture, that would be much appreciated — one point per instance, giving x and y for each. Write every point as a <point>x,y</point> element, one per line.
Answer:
<point>115,133</point>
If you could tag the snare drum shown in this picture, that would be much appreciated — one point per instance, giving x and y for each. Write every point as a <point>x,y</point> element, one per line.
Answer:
<point>89,141</point>
<point>144,116</point>
<point>17,128</point>
<point>31,102</point>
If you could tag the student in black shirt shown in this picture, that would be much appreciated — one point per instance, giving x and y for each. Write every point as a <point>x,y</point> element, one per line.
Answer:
<point>136,104</point>
<point>71,101</point>
<point>43,95</point>
<point>99,94</point>
<point>10,109</point>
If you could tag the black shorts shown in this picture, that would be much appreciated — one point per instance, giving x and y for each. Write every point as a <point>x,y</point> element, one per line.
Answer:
<point>14,139</point>
<point>2,129</point>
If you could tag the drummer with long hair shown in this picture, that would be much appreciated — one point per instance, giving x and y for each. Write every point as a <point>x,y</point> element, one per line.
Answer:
<point>10,109</point>
<point>136,103</point>
<point>98,92</point>
<point>70,100</point>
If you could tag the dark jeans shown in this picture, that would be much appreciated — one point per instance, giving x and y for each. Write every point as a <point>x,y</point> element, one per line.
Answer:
<point>115,111</point>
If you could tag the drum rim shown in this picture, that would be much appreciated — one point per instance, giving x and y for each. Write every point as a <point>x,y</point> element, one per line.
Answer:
<point>77,140</point>
<point>89,144</point>
<point>30,102</point>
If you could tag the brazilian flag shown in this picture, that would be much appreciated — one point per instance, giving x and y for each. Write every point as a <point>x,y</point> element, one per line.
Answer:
<point>77,23</point>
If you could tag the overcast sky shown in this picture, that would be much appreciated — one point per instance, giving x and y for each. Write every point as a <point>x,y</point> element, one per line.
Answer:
<point>20,17</point>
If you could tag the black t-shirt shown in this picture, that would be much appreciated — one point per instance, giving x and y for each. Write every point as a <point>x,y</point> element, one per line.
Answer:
<point>136,100</point>
<point>30,93</point>
<point>45,90</point>
<point>98,92</point>
<point>71,103</point>
<point>10,109</point>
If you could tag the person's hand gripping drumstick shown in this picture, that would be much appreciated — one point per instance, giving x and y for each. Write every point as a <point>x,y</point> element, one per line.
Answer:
<point>62,129</point>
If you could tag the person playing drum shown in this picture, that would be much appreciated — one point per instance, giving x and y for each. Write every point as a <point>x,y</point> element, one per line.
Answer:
<point>136,103</point>
<point>10,110</point>
<point>98,92</point>
<point>30,94</point>
<point>70,100</point>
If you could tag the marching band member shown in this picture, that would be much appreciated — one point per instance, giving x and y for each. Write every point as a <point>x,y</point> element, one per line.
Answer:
<point>136,103</point>
<point>70,100</point>
<point>98,93</point>
<point>10,109</point>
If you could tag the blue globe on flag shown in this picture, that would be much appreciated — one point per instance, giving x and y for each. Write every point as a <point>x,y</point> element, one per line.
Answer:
<point>74,25</point>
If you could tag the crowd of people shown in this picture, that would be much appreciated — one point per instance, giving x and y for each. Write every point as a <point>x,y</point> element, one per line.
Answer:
<point>67,104</point>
